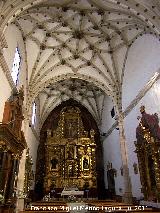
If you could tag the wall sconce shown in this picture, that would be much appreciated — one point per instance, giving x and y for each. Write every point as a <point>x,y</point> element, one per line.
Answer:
<point>135,167</point>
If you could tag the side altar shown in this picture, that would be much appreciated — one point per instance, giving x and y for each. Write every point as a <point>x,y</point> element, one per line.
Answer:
<point>148,153</point>
<point>70,153</point>
<point>12,144</point>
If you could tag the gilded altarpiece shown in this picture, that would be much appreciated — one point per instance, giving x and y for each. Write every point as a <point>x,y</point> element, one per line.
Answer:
<point>12,144</point>
<point>70,153</point>
<point>148,153</point>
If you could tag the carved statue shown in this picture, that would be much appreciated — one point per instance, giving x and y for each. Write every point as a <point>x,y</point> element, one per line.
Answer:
<point>70,128</point>
<point>54,163</point>
<point>92,133</point>
<point>70,153</point>
<point>13,112</point>
<point>70,171</point>
<point>150,122</point>
<point>85,163</point>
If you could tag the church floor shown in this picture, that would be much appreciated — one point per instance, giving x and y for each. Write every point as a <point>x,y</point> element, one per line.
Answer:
<point>93,206</point>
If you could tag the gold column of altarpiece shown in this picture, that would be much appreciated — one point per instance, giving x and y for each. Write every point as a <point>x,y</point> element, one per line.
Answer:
<point>70,153</point>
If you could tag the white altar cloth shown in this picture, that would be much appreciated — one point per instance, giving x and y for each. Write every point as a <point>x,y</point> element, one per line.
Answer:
<point>72,192</point>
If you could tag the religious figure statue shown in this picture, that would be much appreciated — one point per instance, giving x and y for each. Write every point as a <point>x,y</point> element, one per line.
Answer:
<point>71,130</point>
<point>150,122</point>
<point>85,163</point>
<point>70,171</point>
<point>13,111</point>
<point>54,163</point>
<point>92,133</point>
<point>70,153</point>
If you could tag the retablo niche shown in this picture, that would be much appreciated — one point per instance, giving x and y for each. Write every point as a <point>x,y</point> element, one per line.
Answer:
<point>70,153</point>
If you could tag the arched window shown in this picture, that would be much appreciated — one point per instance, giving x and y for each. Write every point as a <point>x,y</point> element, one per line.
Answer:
<point>16,66</point>
<point>34,113</point>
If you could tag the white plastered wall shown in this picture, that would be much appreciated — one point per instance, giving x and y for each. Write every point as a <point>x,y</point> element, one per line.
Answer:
<point>111,147</point>
<point>111,152</point>
<point>107,120</point>
<point>14,39</point>
<point>150,101</point>
<point>5,91</point>
<point>32,142</point>
<point>142,63</point>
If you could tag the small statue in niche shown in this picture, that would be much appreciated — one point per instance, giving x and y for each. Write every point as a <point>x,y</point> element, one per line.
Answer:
<point>85,163</point>
<point>70,153</point>
<point>72,131</point>
<point>92,133</point>
<point>70,171</point>
<point>54,163</point>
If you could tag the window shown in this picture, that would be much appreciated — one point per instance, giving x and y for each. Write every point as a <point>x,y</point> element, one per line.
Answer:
<point>16,66</point>
<point>34,113</point>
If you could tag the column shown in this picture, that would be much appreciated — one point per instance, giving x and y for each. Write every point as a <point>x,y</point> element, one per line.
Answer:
<point>5,172</point>
<point>13,174</point>
<point>20,183</point>
<point>2,177</point>
<point>127,196</point>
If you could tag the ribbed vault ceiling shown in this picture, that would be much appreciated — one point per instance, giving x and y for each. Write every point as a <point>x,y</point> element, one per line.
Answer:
<point>83,92</point>
<point>87,39</point>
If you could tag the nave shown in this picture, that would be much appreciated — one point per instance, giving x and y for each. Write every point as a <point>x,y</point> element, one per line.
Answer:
<point>79,103</point>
